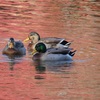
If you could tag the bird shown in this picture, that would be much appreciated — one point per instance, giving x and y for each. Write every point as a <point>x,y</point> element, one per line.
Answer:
<point>42,53</point>
<point>50,42</point>
<point>14,48</point>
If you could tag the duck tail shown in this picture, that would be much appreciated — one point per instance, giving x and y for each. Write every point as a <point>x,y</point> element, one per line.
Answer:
<point>63,42</point>
<point>72,53</point>
<point>68,44</point>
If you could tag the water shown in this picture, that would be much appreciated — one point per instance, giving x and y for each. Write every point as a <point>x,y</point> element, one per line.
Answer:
<point>77,21</point>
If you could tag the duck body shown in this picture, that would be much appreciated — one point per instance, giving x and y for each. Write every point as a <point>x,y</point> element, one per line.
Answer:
<point>52,57</point>
<point>14,48</point>
<point>50,42</point>
<point>52,54</point>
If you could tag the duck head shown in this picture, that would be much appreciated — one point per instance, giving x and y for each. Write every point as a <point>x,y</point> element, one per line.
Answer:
<point>39,48</point>
<point>11,43</point>
<point>33,37</point>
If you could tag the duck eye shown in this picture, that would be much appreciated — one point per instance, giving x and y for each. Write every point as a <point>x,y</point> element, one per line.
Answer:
<point>31,35</point>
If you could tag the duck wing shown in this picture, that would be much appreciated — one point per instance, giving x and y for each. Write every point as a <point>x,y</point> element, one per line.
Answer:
<point>51,40</point>
<point>59,50</point>
<point>19,44</point>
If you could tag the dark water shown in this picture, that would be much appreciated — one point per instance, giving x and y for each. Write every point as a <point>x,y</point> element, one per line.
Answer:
<point>77,21</point>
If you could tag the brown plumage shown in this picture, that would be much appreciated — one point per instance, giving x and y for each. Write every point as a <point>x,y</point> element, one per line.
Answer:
<point>14,48</point>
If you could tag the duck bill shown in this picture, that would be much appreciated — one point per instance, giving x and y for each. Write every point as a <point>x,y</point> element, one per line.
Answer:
<point>33,52</point>
<point>27,39</point>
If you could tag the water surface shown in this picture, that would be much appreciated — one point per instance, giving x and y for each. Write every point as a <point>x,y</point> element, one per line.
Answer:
<point>77,21</point>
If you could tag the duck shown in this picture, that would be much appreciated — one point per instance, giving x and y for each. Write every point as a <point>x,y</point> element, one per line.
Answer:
<point>50,42</point>
<point>41,53</point>
<point>14,48</point>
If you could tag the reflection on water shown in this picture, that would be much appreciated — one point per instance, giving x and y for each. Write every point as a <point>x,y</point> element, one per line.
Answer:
<point>78,21</point>
<point>11,60</point>
<point>55,66</point>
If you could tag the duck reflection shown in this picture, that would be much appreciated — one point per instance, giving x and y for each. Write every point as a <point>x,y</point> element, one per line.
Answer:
<point>40,70</point>
<point>12,60</point>
<point>55,66</point>
<point>39,67</point>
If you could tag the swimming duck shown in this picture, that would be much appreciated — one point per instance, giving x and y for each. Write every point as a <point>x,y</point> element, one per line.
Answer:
<point>40,52</point>
<point>14,48</point>
<point>34,37</point>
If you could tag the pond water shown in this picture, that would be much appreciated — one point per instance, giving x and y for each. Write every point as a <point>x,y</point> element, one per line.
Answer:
<point>77,21</point>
